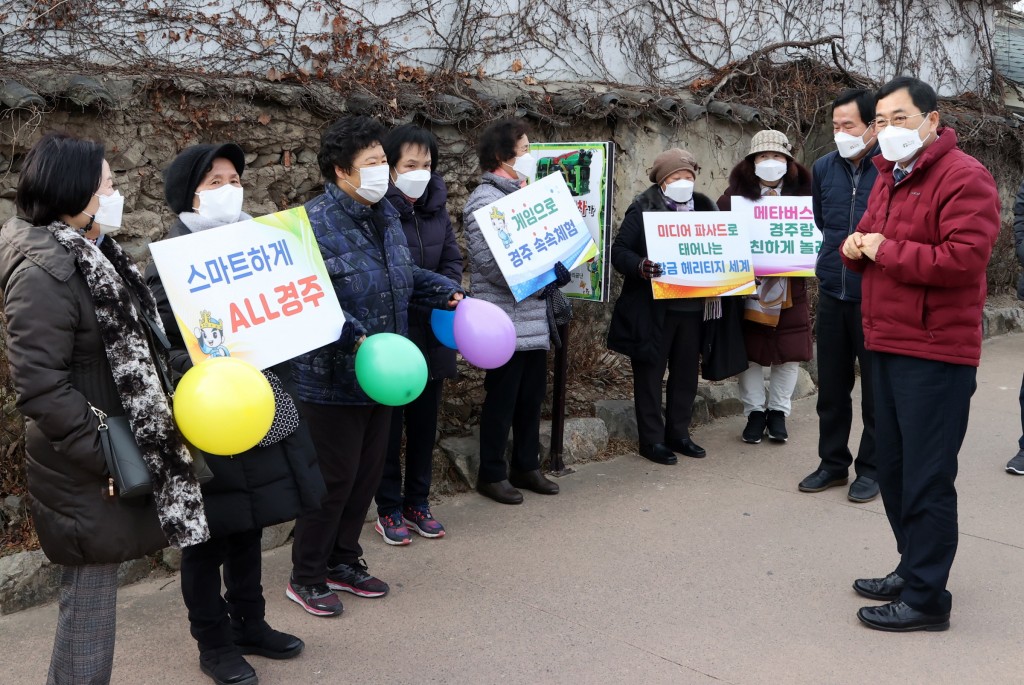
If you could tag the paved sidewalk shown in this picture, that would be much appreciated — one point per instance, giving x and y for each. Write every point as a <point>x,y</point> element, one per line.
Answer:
<point>712,571</point>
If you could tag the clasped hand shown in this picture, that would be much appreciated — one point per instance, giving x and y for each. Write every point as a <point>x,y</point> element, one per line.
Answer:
<point>859,245</point>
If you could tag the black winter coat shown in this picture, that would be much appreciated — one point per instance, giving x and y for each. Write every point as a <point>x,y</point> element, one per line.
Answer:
<point>431,238</point>
<point>59,366</point>
<point>1018,236</point>
<point>638,319</point>
<point>838,207</point>
<point>260,487</point>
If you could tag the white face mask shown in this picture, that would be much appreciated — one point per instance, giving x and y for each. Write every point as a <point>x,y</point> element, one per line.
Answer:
<point>525,167</point>
<point>849,145</point>
<point>108,216</point>
<point>373,182</point>
<point>770,170</point>
<point>222,204</point>
<point>413,183</point>
<point>900,144</point>
<point>679,191</point>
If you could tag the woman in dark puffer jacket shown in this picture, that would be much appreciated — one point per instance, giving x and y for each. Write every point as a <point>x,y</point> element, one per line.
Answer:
<point>274,482</point>
<point>419,194</point>
<point>77,326</point>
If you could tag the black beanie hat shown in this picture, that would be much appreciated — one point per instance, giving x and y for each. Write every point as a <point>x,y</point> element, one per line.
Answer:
<point>185,173</point>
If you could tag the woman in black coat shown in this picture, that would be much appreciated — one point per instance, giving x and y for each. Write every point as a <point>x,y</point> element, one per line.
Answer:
<point>274,482</point>
<point>655,333</point>
<point>419,194</point>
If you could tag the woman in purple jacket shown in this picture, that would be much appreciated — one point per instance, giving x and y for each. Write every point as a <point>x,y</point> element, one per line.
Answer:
<point>419,194</point>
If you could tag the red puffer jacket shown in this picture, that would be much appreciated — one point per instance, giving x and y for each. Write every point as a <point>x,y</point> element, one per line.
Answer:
<point>923,294</point>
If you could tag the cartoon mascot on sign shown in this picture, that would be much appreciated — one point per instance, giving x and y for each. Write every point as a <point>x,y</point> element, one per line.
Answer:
<point>210,334</point>
<point>498,221</point>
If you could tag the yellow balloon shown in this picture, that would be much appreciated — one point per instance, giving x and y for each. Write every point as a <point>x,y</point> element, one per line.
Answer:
<point>224,405</point>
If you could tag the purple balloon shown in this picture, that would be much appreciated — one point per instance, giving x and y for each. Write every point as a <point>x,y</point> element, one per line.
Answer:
<point>485,335</point>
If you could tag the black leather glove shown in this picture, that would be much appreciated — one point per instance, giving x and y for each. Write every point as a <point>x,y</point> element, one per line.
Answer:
<point>649,269</point>
<point>562,275</point>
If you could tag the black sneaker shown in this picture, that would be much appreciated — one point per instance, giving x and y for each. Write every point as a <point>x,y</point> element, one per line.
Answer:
<point>777,426</point>
<point>356,579</point>
<point>1016,465</point>
<point>756,424</point>
<point>317,599</point>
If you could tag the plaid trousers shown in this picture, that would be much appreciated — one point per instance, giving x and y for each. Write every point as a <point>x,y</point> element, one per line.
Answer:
<point>83,648</point>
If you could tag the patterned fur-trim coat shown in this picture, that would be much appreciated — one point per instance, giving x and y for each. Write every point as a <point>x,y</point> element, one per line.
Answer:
<point>59,365</point>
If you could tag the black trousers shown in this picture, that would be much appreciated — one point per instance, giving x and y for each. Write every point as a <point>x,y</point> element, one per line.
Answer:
<point>209,613</point>
<point>1020,441</point>
<point>680,352</point>
<point>351,441</point>
<point>515,393</point>
<point>921,411</point>
<point>840,334</point>
<point>419,418</point>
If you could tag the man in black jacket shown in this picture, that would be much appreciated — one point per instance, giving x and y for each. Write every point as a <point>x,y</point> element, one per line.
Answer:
<point>1016,465</point>
<point>842,181</point>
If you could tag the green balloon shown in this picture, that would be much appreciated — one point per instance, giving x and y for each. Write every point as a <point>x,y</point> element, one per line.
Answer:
<point>391,369</point>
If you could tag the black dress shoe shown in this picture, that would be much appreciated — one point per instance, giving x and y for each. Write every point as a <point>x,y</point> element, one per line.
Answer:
<point>898,617</point>
<point>822,480</point>
<point>659,454</point>
<point>502,492</point>
<point>534,481</point>
<point>882,589</point>
<point>227,666</point>
<point>256,637</point>
<point>687,448</point>
<point>862,489</point>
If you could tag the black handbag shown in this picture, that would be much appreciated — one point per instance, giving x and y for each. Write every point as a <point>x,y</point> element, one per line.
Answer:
<point>723,351</point>
<point>128,472</point>
<point>124,458</point>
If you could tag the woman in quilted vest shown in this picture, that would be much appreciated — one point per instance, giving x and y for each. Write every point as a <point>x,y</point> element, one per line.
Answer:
<point>516,390</point>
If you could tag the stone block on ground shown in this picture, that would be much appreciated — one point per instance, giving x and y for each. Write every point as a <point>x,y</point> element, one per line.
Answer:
<point>723,398</point>
<point>133,571</point>
<point>464,455</point>
<point>277,535</point>
<point>804,385</point>
<point>171,558</point>
<point>582,439</point>
<point>812,365</point>
<point>619,418</point>
<point>701,411</point>
<point>27,579</point>
<point>1001,320</point>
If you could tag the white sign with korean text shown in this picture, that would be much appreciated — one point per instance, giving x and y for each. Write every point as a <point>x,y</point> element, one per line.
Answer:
<point>784,240</point>
<point>257,290</point>
<point>531,229</point>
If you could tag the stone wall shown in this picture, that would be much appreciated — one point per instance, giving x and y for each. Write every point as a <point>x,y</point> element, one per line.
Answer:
<point>281,141</point>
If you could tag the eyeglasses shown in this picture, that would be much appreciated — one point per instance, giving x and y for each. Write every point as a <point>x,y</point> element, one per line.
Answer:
<point>897,120</point>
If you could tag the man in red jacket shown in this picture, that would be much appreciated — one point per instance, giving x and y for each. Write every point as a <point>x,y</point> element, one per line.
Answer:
<point>922,246</point>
